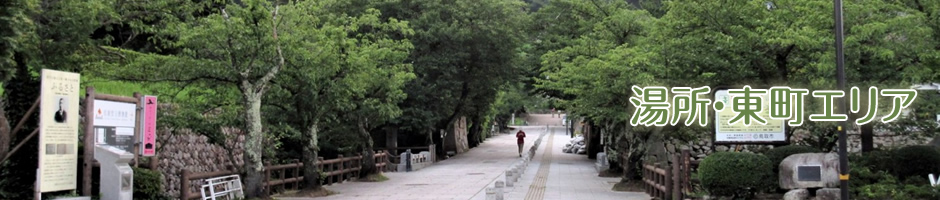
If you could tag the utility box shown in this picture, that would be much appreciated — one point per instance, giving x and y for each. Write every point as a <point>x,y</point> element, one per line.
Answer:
<point>117,177</point>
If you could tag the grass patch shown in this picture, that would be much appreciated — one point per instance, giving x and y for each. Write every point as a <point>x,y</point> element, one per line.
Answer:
<point>632,186</point>
<point>374,178</point>
<point>105,86</point>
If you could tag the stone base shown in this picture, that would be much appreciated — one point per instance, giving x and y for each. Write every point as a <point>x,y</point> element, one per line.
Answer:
<point>796,194</point>
<point>828,194</point>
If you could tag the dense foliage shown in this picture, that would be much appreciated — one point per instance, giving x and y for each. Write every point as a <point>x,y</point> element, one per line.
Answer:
<point>593,51</point>
<point>299,76</point>
<point>148,184</point>
<point>735,174</point>
<point>916,161</point>
<point>870,181</point>
<point>310,78</point>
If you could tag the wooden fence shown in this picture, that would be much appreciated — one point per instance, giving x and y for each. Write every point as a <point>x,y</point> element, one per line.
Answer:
<point>282,177</point>
<point>658,181</point>
<point>672,182</point>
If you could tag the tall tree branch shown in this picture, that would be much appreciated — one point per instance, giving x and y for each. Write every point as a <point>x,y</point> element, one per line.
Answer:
<point>280,55</point>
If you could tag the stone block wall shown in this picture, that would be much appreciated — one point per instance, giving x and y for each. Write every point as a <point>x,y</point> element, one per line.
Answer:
<point>183,149</point>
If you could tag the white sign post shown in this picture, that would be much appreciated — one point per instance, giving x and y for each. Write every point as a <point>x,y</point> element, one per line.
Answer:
<point>58,131</point>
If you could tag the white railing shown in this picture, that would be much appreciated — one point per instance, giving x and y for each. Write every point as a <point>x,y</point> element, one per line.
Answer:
<point>417,161</point>
<point>225,187</point>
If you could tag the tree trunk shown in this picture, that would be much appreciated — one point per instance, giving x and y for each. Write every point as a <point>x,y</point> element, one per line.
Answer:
<point>254,165</point>
<point>475,132</point>
<point>311,147</point>
<point>868,136</point>
<point>5,135</point>
<point>368,161</point>
<point>632,145</point>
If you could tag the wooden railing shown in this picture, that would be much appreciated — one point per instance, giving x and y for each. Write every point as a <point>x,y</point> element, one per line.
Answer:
<point>281,177</point>
<point>671,182</point>
<point>686,166</point>
<point>658,181</point>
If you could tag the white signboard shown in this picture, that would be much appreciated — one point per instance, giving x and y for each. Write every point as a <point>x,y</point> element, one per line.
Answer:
<point>114,124</point>
<point>772,132</point>
<point>58,131</point>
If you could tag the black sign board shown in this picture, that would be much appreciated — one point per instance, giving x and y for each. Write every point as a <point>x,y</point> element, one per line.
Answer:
<point>809,173</point>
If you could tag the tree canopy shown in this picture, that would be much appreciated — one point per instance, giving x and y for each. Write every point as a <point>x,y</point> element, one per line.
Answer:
<point>307,78</point>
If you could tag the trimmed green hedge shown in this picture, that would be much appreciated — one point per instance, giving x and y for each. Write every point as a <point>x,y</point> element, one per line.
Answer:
<point>735,174</point>
<point>147,184</point>
<point>913,161</point>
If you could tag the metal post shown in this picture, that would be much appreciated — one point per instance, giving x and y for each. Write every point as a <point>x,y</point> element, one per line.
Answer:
<point>840,74</point>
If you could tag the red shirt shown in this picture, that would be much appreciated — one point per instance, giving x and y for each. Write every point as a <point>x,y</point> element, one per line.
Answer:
<point>520,135</point>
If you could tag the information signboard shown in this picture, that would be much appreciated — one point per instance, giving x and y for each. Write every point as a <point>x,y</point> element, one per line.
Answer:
<point>58,130</point>
<point>114,124</point>
<point>772,132</point>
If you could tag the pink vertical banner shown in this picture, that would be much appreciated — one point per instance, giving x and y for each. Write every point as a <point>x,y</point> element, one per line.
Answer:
<point>149,139</point>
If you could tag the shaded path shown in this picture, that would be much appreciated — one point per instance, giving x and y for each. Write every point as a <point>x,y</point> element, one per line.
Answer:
<point>550,175</point>
<point>460,177</point>
<point>569,176</point>
<point>537,189</point>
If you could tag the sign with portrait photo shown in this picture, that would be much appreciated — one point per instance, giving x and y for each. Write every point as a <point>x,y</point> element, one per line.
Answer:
<point>58,130</point>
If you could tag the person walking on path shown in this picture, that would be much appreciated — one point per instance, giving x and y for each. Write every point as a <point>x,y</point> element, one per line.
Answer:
<point>520,139</point>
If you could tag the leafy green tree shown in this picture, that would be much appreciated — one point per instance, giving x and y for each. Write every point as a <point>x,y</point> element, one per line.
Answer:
<point>731,43</point>
<point>558,25</point>
<point>356,80</point>
<point>38,34</point>
<point>598,69</point>
<point>13,17</point>
<point>239,45</point>
<point>464,50</point>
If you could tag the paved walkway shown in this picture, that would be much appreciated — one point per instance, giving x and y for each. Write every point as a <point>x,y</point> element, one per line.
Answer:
<point>465,176</point>
<point>569,176</point>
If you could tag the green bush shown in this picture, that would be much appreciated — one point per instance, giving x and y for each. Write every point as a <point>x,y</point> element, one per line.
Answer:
<point>147,184</point>
<point>872,178</point>
<point>735,174</point>
<point>914,161</point>
<point>776,155</point>
<point>879,160</point>
<point>888,187</point>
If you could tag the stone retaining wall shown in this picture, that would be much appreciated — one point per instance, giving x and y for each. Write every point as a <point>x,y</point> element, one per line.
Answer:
<point>183,149</point>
